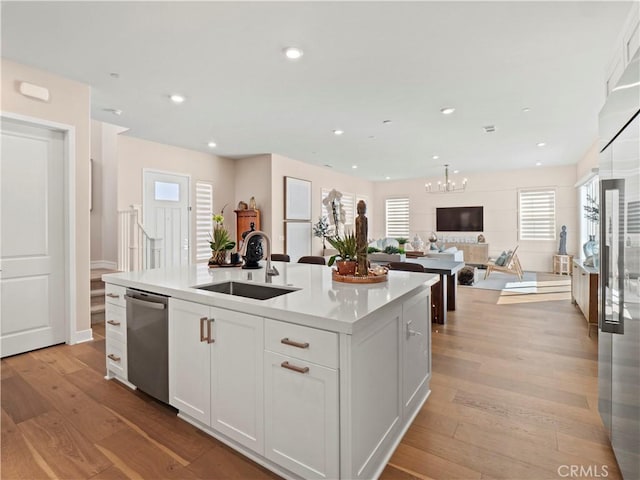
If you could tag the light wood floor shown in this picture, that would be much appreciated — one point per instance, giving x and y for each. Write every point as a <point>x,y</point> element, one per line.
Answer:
<point>514,396</point>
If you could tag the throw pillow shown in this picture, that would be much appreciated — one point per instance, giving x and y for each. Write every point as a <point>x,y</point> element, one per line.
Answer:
<point>502,259</point>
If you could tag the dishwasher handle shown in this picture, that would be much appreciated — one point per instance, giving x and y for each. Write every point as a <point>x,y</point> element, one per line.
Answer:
<point>145,303</point>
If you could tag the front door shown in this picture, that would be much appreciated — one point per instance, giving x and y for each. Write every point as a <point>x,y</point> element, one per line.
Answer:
<point>166,215</point>
<point>32,238</point>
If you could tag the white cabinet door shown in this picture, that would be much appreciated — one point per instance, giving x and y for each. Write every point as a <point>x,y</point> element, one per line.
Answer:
<point>416,336</point>
<point>237,393</point>
<point>189,359</point>
<point>301,416</point>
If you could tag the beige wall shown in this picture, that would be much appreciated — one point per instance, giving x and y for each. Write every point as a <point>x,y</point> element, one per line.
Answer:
<point>70,103</point>
<point>320,177</point>
<point>135,154</point>
<point>589,161</point>
<point>498,194</point>
<point>253,179</point>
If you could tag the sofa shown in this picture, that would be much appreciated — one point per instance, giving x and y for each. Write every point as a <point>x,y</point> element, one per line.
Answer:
<point>451,254</point>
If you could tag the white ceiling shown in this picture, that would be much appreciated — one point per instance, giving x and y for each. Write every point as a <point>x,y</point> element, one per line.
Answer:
<point>363,63</point>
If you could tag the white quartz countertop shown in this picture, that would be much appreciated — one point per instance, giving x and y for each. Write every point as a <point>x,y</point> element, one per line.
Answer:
<point>320,302</point>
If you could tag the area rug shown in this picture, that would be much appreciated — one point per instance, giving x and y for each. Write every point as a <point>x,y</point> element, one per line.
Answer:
<point>534,287</point>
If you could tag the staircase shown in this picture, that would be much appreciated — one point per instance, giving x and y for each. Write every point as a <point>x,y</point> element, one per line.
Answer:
<point>97,294</point>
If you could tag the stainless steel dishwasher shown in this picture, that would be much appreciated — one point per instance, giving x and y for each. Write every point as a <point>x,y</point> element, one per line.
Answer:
<point>148,343</point>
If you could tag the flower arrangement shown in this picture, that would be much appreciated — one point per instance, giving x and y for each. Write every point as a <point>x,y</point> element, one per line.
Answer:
<point>220,242</point>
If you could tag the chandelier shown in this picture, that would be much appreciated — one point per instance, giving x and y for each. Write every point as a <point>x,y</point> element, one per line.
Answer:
<point>447,186</point>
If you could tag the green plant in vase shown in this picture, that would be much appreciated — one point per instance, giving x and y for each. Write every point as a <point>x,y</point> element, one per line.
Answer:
<point>220,242</point>
<point>402,242</point>
<point>347,248</point>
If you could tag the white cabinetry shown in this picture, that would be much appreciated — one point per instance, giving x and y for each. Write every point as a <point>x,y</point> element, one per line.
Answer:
<point>215,369</point>
<point>116,332</point>
<point>301,399</point>
<point>416,358</point>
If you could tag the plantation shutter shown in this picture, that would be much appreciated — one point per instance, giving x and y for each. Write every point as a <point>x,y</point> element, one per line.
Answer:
<point>347,204</point>
<point>537,209</point>
<point>397,217</point>
<point>204,220</point>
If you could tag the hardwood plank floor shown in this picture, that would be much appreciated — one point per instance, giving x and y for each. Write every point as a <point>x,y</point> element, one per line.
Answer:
<point>514,396</point>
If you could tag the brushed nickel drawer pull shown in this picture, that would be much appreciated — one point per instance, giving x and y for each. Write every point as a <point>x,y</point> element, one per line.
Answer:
<point>286,341</point>
<point>209,322</point>
<point>113,295</point>
<point>113,357</point>
<point>113,322</point>
<point>294,367</point>
<point>202,337</point>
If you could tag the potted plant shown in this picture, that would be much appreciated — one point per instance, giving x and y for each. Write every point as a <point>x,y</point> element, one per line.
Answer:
<point>346,247</point>
<point>220,242</point>
<point>402,242</point>
<point>321,230</point>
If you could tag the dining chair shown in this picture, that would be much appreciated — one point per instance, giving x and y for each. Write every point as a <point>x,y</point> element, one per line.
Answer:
<point>315,260</point>
<point>280,257</point>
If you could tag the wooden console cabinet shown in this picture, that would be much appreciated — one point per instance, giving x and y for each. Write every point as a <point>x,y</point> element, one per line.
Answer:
<point>243,222</point>
<point>474,253</point>
<point>584,292</point>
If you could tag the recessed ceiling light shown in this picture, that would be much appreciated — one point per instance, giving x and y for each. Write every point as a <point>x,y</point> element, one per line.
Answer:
<point>338,132</point>
<point>447,110</point>
<point>456,171</point>
<point>354,166</point>
<point>211,144</point>
<point>538,164</point>
<point>177,98</point>
<point>115,111</point>
<point>541,144</point>
<point>386,122</point>
<point>526,109</point>
<point>114,75</point>
<point>387,178</point>
<point>328,165</point>
<point>293,53</point>
<point>436,157</point>
<point>372,136</point>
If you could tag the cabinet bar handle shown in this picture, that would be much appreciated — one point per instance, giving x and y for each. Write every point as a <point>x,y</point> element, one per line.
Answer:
<point>294,367</point>
<point>286,341</point>
<point>113,357</point>
<point>113,322</point>
<point>209,322</point>
<point>113,295</point>
<point>202,337</point>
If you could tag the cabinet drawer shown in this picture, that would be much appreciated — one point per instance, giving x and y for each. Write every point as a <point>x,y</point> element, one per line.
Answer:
<point>116,323</point>
<point>310,344</point>
<point>116,353</point>
<point>114,294</point>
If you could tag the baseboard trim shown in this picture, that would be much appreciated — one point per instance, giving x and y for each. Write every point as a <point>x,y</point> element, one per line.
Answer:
<point>82,336</point>
<point>104,264</point>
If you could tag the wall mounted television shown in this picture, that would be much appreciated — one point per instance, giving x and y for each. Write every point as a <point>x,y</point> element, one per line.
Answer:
<point>460,219</point>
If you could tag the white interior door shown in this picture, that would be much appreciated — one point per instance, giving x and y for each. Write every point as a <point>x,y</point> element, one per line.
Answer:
<point>166,215</point>
<point>32,238</point>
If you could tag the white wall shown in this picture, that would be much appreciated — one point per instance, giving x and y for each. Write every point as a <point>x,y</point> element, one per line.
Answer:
<point>135,154</point>
<point>498,194</point>
<point>70,103</point>
<point>104,218</point>
<point>320,177</point>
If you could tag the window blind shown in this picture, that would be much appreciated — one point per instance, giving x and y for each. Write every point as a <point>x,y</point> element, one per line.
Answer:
<point>397,217</point>
<point>204,220</point>
<point>537,212</point>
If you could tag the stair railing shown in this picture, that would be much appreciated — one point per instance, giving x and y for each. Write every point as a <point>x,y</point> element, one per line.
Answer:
<point>137,250</point>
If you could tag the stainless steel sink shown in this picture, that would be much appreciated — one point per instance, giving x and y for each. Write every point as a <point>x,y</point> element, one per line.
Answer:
<point>248,290</point>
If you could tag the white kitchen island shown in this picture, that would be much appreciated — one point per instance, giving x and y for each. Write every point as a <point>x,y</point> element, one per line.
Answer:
<point>321,382</point>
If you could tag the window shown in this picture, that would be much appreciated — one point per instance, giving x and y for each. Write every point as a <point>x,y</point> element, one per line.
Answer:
<point>397,217</point>
<point>537,212</point>
<point>165,191</point>
<point>204,220</point>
